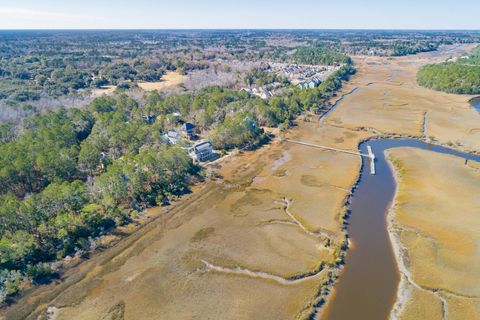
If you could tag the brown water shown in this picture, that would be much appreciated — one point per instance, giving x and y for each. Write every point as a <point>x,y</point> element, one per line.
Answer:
<point>368,284</point>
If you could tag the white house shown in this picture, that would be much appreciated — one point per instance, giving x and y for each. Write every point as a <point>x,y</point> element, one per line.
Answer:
<point>202,151</point>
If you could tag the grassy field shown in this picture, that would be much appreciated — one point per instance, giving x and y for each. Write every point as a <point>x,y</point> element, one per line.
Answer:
<point>435,223</point>
<point>169,80</point>
<point>97,92</point>
<point>390,102</point>
<point>257,244</point>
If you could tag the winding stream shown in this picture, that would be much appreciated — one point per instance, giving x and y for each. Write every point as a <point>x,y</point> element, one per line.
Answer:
<point>367,287</point>
<point>335,105</point>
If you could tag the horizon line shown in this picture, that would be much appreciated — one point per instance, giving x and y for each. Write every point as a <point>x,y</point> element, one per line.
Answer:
<point>233,29</point>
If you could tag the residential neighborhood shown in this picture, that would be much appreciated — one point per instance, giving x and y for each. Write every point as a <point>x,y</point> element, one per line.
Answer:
<point>200,151</point>
<point>307,76</point>
<point>301,75</point>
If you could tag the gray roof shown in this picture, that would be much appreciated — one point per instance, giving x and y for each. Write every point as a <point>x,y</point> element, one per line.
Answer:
<point>204,146</point>
<point>173,134</point>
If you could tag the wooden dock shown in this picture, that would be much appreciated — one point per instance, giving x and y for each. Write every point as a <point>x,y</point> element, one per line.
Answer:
<point>370,155</point>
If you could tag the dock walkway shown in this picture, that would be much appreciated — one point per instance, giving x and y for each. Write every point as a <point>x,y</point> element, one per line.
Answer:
<point>370,155</point>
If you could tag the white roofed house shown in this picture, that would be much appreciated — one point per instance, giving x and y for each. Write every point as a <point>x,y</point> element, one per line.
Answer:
<point>310,84</point>
<point>313,83</point>
<point>172,136</point>
<point>202,151</point>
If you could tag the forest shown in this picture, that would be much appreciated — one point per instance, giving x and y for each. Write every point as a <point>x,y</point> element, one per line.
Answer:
<point>319,56</point>
<point>71,175</point>
<point>461,76</point>
<point>40,65</point>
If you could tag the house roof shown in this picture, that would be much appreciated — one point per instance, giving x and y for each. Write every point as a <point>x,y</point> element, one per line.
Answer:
<point>172,134</point>
<point>188,126</point>
<point>204,146</point>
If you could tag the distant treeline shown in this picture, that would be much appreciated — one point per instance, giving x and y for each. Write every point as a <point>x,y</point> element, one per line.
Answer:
<point>67,177</point>
<point>461,76</point>
<point>37,67</point>
<point>319,56</point>
<point>29,78</point>
<point>403,49</point>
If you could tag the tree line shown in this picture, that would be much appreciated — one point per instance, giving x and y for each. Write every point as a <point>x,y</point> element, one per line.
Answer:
<point>461,76</point>
<point>69,176</point>
<point>318,55</point>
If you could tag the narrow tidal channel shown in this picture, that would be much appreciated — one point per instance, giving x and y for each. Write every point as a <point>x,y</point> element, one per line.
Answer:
<point>475,103</point>
<point>367,287</point>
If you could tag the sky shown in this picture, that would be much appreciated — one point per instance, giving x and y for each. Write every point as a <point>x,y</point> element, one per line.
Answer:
<point>240,14</point>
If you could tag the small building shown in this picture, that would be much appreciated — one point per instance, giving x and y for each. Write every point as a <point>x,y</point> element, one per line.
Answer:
<point>189,130</point>
<point>313,83</point>
<point>172,136</point>
<point>265,94</point>
<point>149,118</point>
<point>248,90</point>
<point>310,84</point>
<point>202,151</point>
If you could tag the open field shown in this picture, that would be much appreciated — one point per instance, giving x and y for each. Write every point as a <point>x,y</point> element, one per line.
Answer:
<point>435,224</point>
<point>103,90</point>
<point>169,80</point>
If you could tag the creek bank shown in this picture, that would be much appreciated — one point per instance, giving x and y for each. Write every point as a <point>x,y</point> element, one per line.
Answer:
<point>374,253</point>
<point>475,103</point>
<point>336,103</point>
